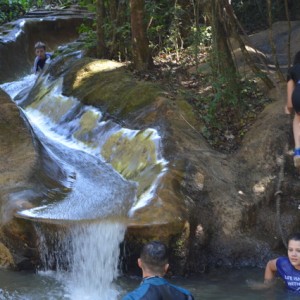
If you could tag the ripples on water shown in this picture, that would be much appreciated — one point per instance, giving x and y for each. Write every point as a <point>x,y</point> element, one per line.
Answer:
<point>216,285</point>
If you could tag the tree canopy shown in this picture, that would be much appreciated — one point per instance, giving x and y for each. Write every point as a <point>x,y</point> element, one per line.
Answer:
<point>141,32</point>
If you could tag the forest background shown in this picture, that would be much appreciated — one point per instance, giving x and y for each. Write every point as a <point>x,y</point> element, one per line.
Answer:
<point>187,46</point>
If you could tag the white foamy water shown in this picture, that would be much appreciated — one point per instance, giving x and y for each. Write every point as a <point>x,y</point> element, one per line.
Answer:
<point>13,88</point>
<point>91,252</point>
<point>59,118</point>
<point>83,254</point>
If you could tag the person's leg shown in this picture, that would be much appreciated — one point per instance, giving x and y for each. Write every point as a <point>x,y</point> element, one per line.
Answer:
<point>296,124</point>
<point>290,90</point>
<point>296,132</point>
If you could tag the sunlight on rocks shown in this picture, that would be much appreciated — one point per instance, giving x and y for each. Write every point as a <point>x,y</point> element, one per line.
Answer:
<point>93,68</point>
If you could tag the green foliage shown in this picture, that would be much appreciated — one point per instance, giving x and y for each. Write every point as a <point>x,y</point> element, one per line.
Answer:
<point>158,16</point>
<point>89,4</point>
<point>174,37</point>
<point>14,9</point>
<point>204,35</point>
<point>89,35</point>
<point>11,10</point>
<point>224,125</point>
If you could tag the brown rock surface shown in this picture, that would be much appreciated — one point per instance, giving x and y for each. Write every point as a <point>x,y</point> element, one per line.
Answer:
<point>210,207</point>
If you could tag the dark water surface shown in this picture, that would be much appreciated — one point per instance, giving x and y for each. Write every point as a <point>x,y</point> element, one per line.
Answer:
<point>224,284</point>
<point>218,284</point>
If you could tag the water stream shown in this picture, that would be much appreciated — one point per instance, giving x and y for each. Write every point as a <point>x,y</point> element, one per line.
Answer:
<point>80,235</point>
<point>91,252</point>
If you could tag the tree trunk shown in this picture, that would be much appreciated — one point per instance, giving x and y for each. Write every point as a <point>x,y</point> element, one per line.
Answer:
<point>101,46</point>
<point>142,59</point>
<point>287,12</point>
<point>118,18</point>
<point>273,46</point>
<point>222,62</point>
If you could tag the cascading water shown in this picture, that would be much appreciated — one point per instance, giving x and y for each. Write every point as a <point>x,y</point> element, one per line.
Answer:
<point>80,235</point>
<point>85,257</point>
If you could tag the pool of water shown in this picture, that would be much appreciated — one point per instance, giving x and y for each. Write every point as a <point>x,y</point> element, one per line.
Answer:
<point>217,284</point>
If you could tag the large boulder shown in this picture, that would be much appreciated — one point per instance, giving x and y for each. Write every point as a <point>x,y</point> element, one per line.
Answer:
<point>211,208</point>
<point>207,203</point>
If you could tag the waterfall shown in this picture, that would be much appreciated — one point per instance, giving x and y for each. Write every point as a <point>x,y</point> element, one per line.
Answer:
<point>80,234</point>
<point>82,247</point>
<point>85,256</point>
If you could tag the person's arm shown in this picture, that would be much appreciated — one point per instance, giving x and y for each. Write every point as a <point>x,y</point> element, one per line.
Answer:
<point>270,271</point>
<point>290,89</point>
<point>34,69</point>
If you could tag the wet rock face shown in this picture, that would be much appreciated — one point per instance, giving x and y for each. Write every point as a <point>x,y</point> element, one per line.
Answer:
<point>17,39</point>
<point>17,153</point>
<point>210,208</point>
<point>27,173</point>
<point>18,159</point>
<point>6,259</point>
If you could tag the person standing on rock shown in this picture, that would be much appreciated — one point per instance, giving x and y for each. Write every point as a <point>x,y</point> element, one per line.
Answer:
<point>42,57</point>
<point>154,264</point>
<point>293,103</point>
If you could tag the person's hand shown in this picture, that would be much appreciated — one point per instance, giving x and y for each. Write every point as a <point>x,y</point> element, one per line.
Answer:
<point>288,110</point>
<point>257,285</point>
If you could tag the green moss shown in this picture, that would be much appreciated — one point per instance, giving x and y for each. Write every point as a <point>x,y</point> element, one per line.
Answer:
<point>111,89</point>
<point>6,259</point>
<point>187,111</point>
<point>130,96</point>
<point>88,122</point>
<point>139,164</point>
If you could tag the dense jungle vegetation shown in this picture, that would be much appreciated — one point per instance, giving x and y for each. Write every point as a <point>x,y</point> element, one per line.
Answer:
<point>186,45</point>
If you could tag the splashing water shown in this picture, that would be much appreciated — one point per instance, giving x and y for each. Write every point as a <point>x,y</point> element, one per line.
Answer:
<point>91,252</point>
<point>85,253</point>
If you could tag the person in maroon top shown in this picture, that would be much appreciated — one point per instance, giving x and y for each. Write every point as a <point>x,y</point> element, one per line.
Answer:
<point>293,104</point>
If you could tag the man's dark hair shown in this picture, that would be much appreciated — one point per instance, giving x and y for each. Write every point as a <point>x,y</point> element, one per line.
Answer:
<point>155,256</point>
<point>294,237</point>
<point>297,58</point>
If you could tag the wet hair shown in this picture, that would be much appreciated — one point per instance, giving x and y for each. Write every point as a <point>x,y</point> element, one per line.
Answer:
<point>297,58</point>
<point>294,237</point>
<point>40,45</point>
<point>155,256</point>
